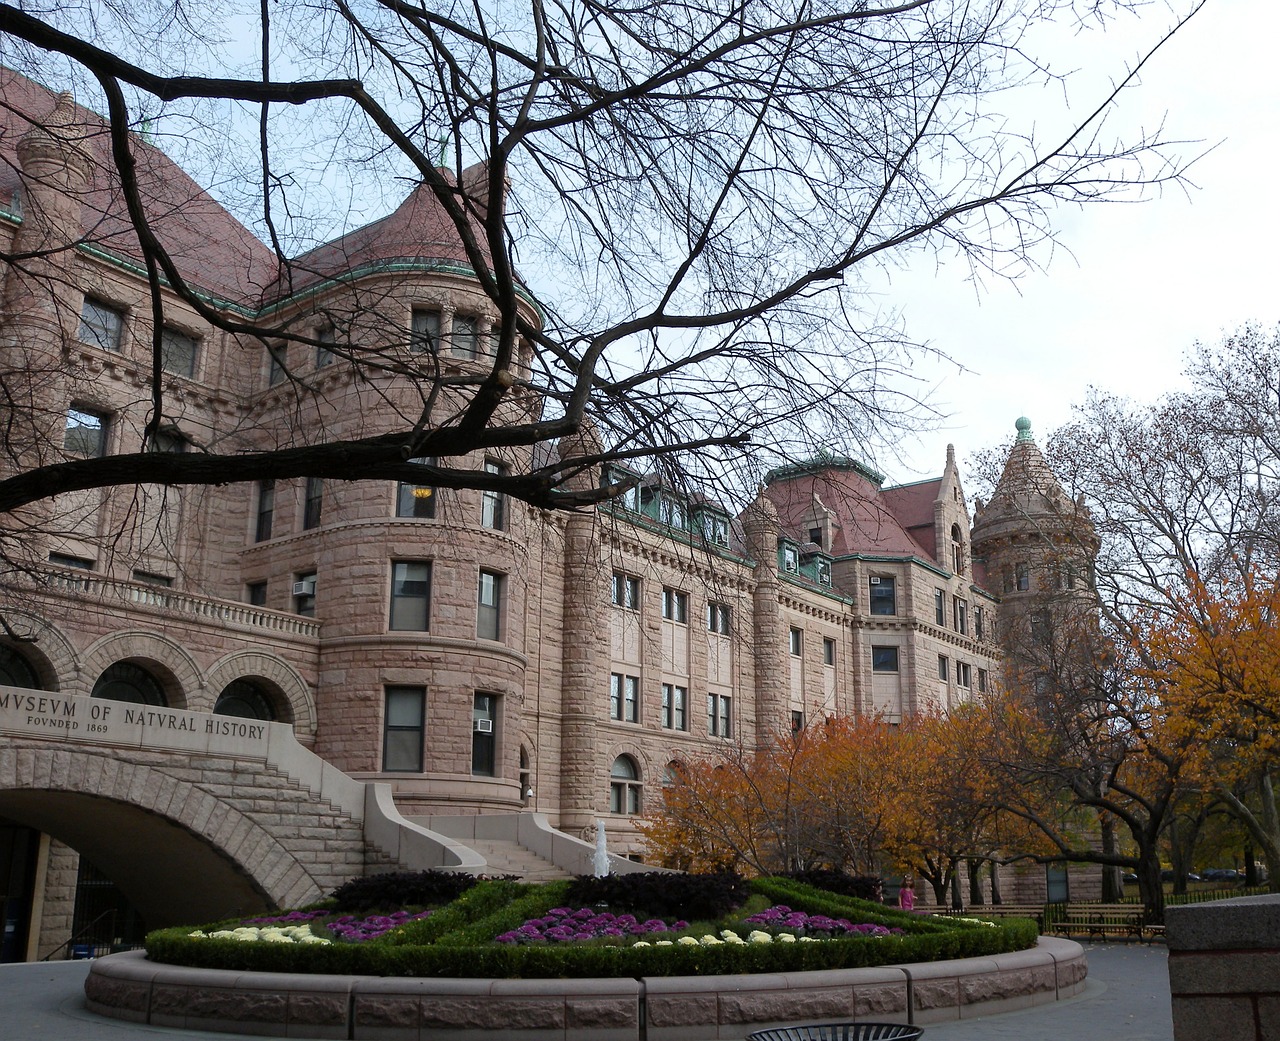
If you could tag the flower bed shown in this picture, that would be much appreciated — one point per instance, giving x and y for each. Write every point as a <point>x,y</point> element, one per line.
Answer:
<point>504,929</point>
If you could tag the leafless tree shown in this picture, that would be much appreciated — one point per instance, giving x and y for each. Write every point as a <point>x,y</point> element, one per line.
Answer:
<point>672,209</point>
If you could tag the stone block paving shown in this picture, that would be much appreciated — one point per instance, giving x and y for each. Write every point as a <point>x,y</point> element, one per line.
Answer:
<point>1125,999</point>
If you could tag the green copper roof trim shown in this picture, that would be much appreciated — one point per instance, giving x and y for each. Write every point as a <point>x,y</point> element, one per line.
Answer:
<point>824,460</point>
<point>886,559</point>
<point>427,266</point>
<point>1023,426</point>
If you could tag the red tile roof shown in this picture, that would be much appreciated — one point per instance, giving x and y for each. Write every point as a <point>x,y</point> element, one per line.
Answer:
<point>209,247</point>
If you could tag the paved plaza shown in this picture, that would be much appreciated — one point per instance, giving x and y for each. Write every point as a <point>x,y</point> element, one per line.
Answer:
<point>1126,999</point>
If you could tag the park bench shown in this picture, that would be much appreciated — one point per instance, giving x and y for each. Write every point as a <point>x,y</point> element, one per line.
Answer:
<point>1099,920</point>
<point>1033,911</point>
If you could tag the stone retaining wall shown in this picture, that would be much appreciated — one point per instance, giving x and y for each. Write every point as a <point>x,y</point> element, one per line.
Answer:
<point>1224,969</point>
<point>127,986</point>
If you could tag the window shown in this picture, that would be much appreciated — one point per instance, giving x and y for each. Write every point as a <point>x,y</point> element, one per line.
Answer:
<point>790,558</point>
<point>795,641</point>
<point>624,786</point>
<point>884,659</point>
<point>673,513</point>
<point>963,673</point>
<point>828,651</point>
<point>312,503</point>
<point>715,529</point>
<point>245,700</point>
<point>304,594</point>
<point>675,606</point>
<point>125,681</point>
<point>982,680</point>
<point>462,337</point>
<point>493,503</point>
<point>940,607</point>
<point>266,510</point>
<point>277,358</point>
<point>797,721</point>
<point>417,500</point>
<point>484,735</point>
<point>255,594</point>
<point>719,715</point>
<point>101,324</point>
<point>177,352</point>
<point>823,571</point>
<point>324,350</point>
<point>169,441</point>
<point>86,433</point>
<point>489,611</point>
<point>674,701</point>
<point>718,618</point>
<point>957,550</point>
<point>410,595</point>
<point>1024,578</point>
<point>65,560</point>
<point>883,599</point>
<point>815,536</point>
<point>148,578</point>
<point>626,591</point>
<point>978,622</point>
<point>624,697</point>
<point>1041,629</point>
<point>424,332</point>
<point>960,611</point>
<point>403,729</point>
<point>942,667</point>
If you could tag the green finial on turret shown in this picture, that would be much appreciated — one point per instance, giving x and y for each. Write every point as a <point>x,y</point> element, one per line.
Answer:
<point>1023,426</point>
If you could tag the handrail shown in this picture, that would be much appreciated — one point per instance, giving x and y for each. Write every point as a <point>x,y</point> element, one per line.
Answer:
<point>77,937</point>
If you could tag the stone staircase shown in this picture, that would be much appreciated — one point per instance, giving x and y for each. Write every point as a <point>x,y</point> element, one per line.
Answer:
<point>505,857</point>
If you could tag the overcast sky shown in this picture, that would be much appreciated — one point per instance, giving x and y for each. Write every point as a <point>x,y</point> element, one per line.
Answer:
<point>1144,282</point>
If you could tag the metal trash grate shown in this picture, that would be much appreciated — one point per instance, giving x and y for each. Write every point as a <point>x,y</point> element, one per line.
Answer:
<point>840,1032</point>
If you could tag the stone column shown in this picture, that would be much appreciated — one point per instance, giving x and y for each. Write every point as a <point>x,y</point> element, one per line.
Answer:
<point>773,695</point>
<point>583,780</point>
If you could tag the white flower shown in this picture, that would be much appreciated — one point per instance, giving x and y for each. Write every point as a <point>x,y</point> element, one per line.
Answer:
<point>642,943</point>
<point>664,943</point>
<point>760,936</point>
<point>197,935</point>
<point>809,939</point>
<point>687,941</point>
<point>785,938</point>
<point>729,936</point>
<point>711,941</point>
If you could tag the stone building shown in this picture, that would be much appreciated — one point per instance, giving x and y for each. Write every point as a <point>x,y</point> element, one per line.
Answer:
<point>478,655</point>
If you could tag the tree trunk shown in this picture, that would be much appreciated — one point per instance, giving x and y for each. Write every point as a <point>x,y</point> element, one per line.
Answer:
<point>1150,887</point>
<point>975,882</point>
<point>996,898</point>
<point>957,897</point>
<point>1250,866</point>
<point>1112,887</point>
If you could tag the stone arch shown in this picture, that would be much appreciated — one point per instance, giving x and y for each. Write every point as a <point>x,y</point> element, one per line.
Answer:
<point>50,653</point>
<point>153,833</point>
<point>290,694</point>
<point>172,665</point>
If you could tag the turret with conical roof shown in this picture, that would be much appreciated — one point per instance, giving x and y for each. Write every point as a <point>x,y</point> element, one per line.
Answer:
<point>1033,537</point>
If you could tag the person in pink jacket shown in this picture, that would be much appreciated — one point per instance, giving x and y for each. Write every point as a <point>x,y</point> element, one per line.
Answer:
<point>906,895</point>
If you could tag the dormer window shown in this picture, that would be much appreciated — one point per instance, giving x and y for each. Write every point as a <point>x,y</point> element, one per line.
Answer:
<point>957,550</point>
<point>823,569</point>
<point>628,500</point>
<point>673,512</point>
<point>715,527</point>
<point>789,557</point>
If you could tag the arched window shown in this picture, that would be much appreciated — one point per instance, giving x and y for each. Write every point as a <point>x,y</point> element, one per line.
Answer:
<point>244,699</point>
<point>957,550</point>
<point>125,681</point>
<point>526,775</point>
<point>624,786</point>
<point>674,774</point>
<point>16,671</point>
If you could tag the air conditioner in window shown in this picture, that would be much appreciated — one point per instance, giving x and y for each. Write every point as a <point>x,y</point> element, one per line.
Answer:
<point>875,580</point>
<point>307,588</point>
<point>792,566</point>
<point>484,726</point>
<point>825,579</point>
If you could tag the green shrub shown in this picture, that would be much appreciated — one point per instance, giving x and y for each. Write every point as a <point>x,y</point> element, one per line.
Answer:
<point>662,894</point>
<point>864,887</point>
<point>456,941</point>
<point>396,889</point>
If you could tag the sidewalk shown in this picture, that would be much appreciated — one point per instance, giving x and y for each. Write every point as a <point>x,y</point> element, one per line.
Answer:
<point>1126,999</point>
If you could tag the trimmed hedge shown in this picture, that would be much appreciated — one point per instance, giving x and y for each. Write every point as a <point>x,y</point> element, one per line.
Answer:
<point>456,941</point>
<point>661,894</point>
<point>402,889</point>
